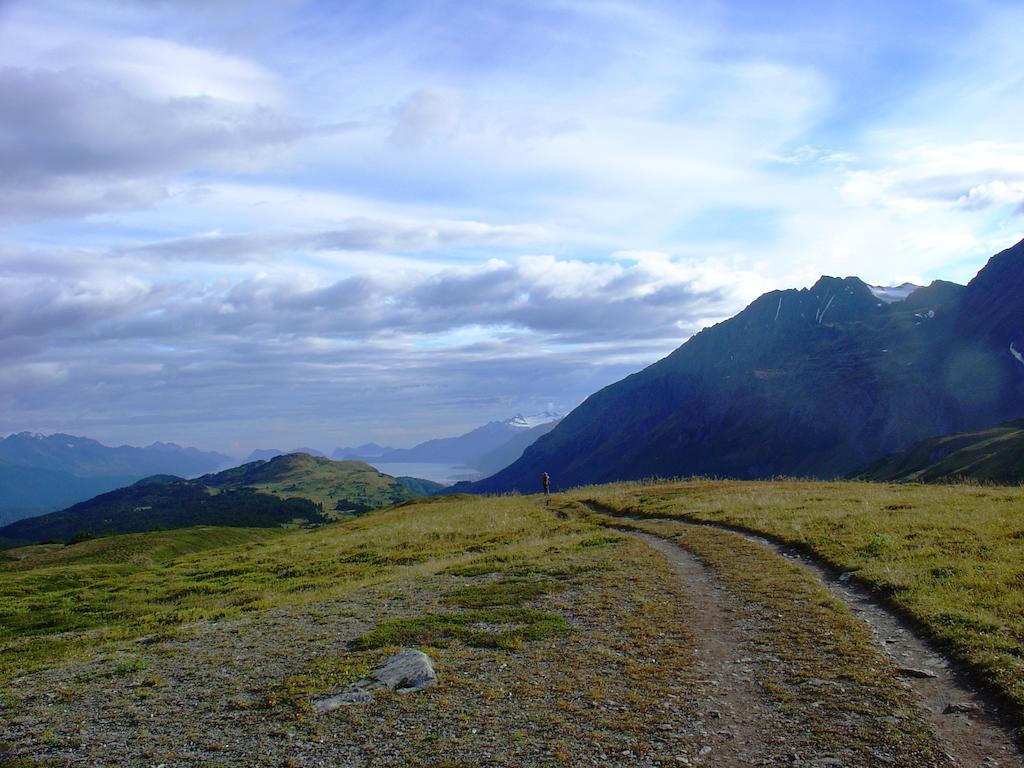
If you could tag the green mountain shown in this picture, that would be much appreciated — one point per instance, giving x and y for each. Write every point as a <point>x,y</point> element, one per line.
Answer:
<point>291,489</point>
<point>815,382</point>
<point>340,487</point>
<point>993,455</point>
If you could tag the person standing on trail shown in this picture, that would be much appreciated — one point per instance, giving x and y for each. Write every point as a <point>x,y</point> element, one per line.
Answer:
<point>546,482</point>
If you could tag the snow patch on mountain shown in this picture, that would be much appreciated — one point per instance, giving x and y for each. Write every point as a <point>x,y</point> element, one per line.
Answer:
<point>535,420</point>
<point>890,294</point>
<point>1016,354</point>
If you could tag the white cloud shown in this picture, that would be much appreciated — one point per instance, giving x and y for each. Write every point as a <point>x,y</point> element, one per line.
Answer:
<point>997,192</point>
<point>161,70</point>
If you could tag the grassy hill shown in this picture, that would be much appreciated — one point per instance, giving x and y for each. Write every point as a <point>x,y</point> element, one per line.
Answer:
<point>338,486</point>
<point>992,455</point>
<point>287,490</point>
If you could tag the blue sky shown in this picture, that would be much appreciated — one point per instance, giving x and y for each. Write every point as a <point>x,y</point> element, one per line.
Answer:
<point>240,225</point>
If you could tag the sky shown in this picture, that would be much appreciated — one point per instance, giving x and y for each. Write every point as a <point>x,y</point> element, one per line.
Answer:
<point>242,225</point>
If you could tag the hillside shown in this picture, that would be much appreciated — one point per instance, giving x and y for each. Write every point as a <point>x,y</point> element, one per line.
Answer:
<point>338,486</point>
<point>506,453</point>
<point>162,503</point>
<point>812,382</point>
<point>992,456</point>
<point>294,488</point>
<point>556,638</point>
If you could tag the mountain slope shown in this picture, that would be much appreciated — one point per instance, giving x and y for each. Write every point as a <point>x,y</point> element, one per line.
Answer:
<point>462,449</point>
<point>993,455</point>
<point>162,502</point>
<point>287,489</point>
<point>364,452</point>
<point>500,457</point>
<point>814,382</point>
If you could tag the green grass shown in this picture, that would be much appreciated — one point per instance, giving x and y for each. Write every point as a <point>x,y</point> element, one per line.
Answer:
<point>57,603</point>
<point>512,591</point>
<point>345,486</point>
<point>134,548</point>
<point>950,556</point>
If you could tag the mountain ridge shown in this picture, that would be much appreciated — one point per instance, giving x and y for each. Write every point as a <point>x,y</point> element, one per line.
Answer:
<point>816,382</point>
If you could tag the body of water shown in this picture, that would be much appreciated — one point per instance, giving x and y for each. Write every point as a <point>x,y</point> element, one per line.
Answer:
<point>439,473</point>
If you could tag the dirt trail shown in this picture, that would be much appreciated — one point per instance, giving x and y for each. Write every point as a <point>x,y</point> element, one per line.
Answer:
<point>968,727</point>
<point>733,711</point>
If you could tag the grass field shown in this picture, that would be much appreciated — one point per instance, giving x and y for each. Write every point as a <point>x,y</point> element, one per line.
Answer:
<point>949,556</point>
<point>501,592</point>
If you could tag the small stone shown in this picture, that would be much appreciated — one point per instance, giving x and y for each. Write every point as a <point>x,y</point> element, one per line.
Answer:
<point>916,672</point>
<point>845,575</point>
<point>962,708</point>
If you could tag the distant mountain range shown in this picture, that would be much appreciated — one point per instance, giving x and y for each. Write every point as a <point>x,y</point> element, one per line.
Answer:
<point>487,449</point>
<point>363,452</point>
<point>993,455</point>
<point>291,489</point>
<point>484,448</point>
<point>813,382</point>
<point>40,473</point>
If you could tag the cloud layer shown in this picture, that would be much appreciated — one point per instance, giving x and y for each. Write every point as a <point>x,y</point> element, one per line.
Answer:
<point>305,224</point>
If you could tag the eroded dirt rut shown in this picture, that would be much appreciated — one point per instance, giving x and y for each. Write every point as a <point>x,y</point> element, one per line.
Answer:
<point>969,729</point>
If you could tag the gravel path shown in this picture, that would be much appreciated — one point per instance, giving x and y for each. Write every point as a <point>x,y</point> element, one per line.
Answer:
<point>967,725</point>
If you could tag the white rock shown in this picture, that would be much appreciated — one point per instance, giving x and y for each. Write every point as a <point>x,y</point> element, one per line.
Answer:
<point>405,672</point>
